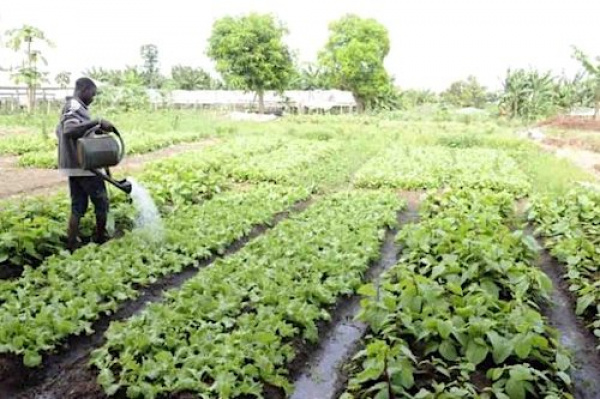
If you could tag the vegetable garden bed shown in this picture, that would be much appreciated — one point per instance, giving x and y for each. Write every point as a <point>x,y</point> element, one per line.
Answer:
<point>247,285</point>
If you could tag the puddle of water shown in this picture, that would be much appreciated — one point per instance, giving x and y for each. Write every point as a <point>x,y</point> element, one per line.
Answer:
<point>321,380</point>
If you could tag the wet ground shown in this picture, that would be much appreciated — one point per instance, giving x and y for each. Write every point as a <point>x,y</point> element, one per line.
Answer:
<point>573,334</point>
<point>323,377</point>
<point>66,375</point>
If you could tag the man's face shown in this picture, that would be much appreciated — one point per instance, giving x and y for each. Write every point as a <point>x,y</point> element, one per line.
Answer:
<point>87,95</point>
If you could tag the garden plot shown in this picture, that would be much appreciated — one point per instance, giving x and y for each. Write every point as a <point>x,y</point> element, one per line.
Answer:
<point>409,167</point>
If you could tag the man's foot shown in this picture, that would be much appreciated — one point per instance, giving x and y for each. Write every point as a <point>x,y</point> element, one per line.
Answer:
<point>101,235</point>
<point>101,238</point>
<point>72,247</point>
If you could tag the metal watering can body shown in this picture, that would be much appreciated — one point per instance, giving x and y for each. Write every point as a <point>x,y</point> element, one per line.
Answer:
<point>96,152</point>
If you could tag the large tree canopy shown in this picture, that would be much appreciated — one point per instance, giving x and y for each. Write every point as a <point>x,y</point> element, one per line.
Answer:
<point>250,53</point>
<point>353,57</point>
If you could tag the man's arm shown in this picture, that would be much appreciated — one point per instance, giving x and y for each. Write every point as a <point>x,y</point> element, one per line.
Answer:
<point>75,129</point>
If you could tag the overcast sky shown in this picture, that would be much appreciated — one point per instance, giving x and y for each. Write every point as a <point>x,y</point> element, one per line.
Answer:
<point>434,42</point>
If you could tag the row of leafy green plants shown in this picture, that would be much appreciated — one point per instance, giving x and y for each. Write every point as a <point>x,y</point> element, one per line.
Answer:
<point>458,315</point>
<point>570,226</point>
<point>34,228</point>
<point>139,143</point>
<point>234,328</point>
<point>36,149</point>
<point>425,167</point>
<point>67,293</point>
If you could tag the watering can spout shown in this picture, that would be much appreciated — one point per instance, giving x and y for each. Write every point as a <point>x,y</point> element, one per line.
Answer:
<point>122,185</point>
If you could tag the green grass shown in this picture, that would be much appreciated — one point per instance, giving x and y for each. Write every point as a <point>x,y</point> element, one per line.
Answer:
<point>549,174</point>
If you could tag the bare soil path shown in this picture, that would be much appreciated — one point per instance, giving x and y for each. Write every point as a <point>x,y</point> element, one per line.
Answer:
<point>18,181</point>
<point>584,159</point>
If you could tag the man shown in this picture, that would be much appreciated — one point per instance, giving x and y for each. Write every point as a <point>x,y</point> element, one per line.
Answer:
<point>75,122</point>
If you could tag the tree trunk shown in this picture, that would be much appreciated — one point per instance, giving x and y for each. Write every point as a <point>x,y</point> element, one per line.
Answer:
<point>261,102</point>
<point>31,98</point>
<point>597,103</point>
<point>30,80</point>
<point>360,103</point>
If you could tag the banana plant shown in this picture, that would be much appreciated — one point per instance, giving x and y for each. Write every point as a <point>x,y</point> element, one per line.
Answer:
<point>528,94</point>
<point>592,67</point>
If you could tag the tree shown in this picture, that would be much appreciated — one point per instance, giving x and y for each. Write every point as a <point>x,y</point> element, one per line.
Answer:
<point>575,92</point>
<point>188,78</point>
<point>250,54</point>
<point>26,39</point>
<point>124,89</point>
<point>466,93</point>
<point>149,53</point>
<point>354,55</point>
<point>594,71</point>
<point>309,77</point>
<point>411,98</point>
<point>130,76</point>
<point>63,79</point>
<point>99,74</point>
<point>528,94</point>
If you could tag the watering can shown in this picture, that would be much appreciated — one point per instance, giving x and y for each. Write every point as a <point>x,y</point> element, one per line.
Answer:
<point>96,152</point>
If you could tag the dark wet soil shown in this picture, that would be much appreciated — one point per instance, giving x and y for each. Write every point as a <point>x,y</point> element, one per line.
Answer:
<point>9,271</point>
<point>65,374</point>
<point>573,334</point>
<point>322,376</point>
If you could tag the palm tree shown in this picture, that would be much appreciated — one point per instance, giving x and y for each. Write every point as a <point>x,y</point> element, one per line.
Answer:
<point>594,71</point>
<point>28,73</point>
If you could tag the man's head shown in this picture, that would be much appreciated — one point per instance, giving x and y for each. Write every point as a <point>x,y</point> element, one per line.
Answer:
<point>85,90</point>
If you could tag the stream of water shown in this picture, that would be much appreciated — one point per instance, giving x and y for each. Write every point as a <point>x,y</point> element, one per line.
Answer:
<point>148,220</point>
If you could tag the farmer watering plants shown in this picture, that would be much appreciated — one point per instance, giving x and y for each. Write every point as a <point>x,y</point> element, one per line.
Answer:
<point>84,185</point>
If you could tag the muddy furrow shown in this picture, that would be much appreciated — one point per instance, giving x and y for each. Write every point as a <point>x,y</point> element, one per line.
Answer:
<point>321,375</point>
<point>66,374</point>
<point>573,334</point>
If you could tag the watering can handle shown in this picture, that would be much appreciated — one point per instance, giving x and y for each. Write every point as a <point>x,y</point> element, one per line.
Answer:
<point>116,133</point>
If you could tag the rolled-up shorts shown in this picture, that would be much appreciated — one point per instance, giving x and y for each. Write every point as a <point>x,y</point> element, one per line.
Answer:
<point>85,188</point>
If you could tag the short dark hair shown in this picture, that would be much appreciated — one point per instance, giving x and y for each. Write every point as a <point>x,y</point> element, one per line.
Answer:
<point>84,84</point>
